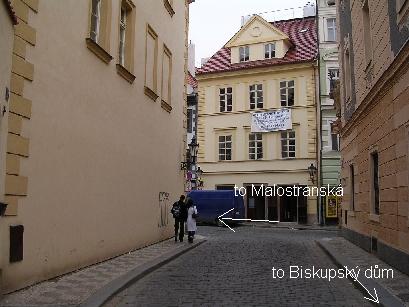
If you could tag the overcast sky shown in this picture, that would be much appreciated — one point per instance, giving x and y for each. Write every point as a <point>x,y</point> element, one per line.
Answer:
<point>213,22</point>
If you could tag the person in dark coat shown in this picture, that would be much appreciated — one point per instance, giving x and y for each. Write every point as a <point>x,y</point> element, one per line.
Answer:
<point>179,211</point>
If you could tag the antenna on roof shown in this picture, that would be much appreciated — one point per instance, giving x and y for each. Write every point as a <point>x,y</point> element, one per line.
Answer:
<point>284,14</point>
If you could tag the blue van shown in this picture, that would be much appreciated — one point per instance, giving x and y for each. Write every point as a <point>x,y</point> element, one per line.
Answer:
<point>211,204</point>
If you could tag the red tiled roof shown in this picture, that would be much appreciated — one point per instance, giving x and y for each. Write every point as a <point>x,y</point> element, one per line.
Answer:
<point>191,80</point>
<point>11,12</point>
<point>302,33</point>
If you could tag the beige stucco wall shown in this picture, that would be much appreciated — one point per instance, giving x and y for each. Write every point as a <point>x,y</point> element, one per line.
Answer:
<point>6,47</point>
<point>272,169</point>
<point>97,161</point>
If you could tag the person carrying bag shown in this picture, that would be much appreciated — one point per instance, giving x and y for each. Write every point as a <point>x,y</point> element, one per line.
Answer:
<point>192,215</point>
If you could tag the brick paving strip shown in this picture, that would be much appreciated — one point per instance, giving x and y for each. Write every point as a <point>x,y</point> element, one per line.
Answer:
<point>391,291</point>
<point>95,284</point>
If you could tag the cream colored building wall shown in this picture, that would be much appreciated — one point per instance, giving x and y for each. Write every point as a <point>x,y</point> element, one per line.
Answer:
<point>97,161</point>
<point>6,47</point>
<point>272,169</point>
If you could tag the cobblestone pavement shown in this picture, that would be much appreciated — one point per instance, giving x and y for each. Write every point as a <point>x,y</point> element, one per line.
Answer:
<point>398,285</point>
<point>235,269</point>
<point>72,289</point>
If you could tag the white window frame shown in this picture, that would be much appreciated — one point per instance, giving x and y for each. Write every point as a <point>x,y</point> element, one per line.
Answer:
<point>225,143</point>
<point>244,54</point>
<point>255,146</point>
<point>96,16</point>
<point>122,35</point>
<point>286,91</point>
<point>256,102</point>
<point>286,141</point>
<point>270,51</point>
<point>224,98</point>
<point>332,27</point>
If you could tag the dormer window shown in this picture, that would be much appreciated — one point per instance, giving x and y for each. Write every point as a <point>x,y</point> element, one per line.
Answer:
<point>244,53</point>
<point>270,51</point>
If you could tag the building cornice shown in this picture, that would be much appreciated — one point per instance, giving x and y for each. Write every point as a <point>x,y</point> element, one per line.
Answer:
<point>254,71</point>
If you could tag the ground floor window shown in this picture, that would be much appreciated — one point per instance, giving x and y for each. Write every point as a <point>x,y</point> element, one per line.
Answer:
<point>225,187</point>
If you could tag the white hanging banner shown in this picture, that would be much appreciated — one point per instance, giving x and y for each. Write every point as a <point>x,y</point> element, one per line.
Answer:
<point>271,121</point>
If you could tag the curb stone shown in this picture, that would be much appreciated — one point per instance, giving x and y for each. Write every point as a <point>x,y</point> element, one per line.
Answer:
<point>104,294</point>
<point>386,298</point>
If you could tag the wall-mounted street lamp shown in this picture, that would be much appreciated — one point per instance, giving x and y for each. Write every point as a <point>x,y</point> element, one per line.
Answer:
<point>191,155</point>
<point>312,170</point>
<point>199,172</point>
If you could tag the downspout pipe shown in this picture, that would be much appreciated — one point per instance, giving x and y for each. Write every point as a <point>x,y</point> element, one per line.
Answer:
<point>318,116</point>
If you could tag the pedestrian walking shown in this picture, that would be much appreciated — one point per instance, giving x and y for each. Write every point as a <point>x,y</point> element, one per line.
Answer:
<point>179,212</point>
<point>191,220</point>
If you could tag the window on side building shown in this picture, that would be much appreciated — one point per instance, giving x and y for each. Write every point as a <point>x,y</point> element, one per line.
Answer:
<point>331,30</point>
<point>288,144</point>
<point>189,120</point>
<point>333,75</point>
<point>255,146</point>
<point>95,19</point>
<point>151,63</point>
<point>287,93</point>
<point>125,48</point>
<point>166,85</point>
<point>346,74</point>
<point>225,147</point>
<point>335,141</point>
<point>98,40</point>
<point>367,31</point>
<point>244,52</point>
<point>226,99</point>
<point>270,51</point>
<point>256,96</point>
<point>375,182</point>
<point>352,183</point>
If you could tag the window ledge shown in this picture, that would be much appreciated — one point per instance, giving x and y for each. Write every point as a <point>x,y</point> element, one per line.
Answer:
<point>126,74</point>
<point>151,94</point>
<point>351,213</point>
<point>98,50</point>
<point>167,107</point>
<point>374,217</point>
<point>169,8</point>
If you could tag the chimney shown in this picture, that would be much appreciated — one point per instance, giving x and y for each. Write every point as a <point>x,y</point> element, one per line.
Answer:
<point>309,10</point>
<point>204,60</point>
<point>244,19</point>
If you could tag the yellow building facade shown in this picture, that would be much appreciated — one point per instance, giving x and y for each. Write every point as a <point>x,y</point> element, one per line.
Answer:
<point>265,67</point>
<point>97,91</point>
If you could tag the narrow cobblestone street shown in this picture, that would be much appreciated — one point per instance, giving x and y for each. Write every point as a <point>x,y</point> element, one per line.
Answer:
<point>235,269</point>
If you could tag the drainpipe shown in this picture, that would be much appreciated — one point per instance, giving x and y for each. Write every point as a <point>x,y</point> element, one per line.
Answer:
<point>318,116</point>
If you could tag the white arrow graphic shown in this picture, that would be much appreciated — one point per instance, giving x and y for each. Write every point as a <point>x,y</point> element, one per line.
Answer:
<point>221,219</point>
<point>373,298</point>
<point>243,220</point>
